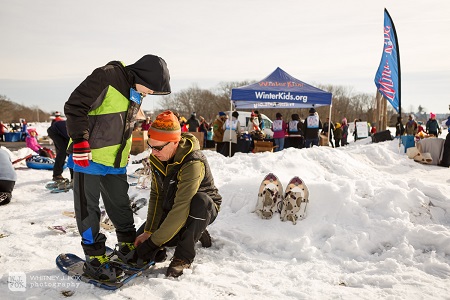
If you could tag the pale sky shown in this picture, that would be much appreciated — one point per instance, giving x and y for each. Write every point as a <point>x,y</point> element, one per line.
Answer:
<point>49,46</point>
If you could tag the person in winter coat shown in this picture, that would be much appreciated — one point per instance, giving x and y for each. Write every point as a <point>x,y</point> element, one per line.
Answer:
<point>193,123</point>
<point>23,129</point>
<point>325,131</point>
<point>399,128</point>
<point>344,126</point>
<point>447,123</point>
<point>33,144</point>
<point>146,124</point>
<point>3,129</point>
<point>420,127</point>
<point>232,128</point>
<point>8,177</point>
<point>101,113</point>
<point>183,197</point>
<point>337,135</point>
<point>445,162</point>
<point>58,133</point>
<point>295,132</point>
<point>279,128</point>
<point>218,130</point>
<point>254,131</point>
<point>373,129</point>
<point>260,119</point>
<point>411,126</point>
<point>432,126</point>
<point>57,117</point>
<point>253,124</point>
<point>311,128</point>
<point>355,130</point>
<point>203,127</point>
<point>183,124</point>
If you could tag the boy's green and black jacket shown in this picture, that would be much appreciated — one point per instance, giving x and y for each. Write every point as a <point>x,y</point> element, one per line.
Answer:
<point>99,109</point>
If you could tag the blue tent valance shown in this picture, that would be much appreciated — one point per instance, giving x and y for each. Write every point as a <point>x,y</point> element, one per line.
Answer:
<point>279,90</point>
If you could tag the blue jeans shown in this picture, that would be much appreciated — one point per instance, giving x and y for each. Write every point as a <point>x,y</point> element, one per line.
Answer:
<point>311,142</point>
<point>279,143</point>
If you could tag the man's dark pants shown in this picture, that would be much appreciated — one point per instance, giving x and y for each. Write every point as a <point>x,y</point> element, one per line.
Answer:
<point>203,212</point>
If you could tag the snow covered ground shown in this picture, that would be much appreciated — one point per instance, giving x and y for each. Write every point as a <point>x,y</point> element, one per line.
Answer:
<point>377,227</point>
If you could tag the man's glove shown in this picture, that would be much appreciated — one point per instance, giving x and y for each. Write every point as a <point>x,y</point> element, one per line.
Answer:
<point>82,153</point>
<point>148,251</point>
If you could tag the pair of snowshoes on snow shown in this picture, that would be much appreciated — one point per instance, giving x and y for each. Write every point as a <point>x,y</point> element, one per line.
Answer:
<point>291,203</point>
<point>59,186</point>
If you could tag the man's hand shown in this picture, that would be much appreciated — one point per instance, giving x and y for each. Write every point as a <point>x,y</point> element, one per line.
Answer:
<point>147,250</point>
<point>141,238</point>
<point>82,153</point>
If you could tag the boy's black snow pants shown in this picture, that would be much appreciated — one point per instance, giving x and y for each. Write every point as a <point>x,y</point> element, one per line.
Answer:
<point>114,192</point>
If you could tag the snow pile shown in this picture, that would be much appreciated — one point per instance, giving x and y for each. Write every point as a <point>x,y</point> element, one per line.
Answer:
<point>377,226</point>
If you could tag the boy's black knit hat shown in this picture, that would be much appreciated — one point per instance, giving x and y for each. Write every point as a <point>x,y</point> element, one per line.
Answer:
<point>151,71</point>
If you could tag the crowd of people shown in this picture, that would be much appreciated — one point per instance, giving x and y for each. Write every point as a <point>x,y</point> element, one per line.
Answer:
<point>293,133</point>
<point>432,127</point>
<point>20,127</point>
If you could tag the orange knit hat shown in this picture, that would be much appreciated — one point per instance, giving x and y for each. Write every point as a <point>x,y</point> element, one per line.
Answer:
<point>166,128</point>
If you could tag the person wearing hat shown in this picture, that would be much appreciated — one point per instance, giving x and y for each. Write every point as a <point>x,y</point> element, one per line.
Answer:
<point>56,117</point>
<point>33,144</point>
<point>218,130</point>
<point>411,126</point>
<point>420,127</point>
<point>101,113</point>
<point>193,123</point>
<point>8,177</point>
<point>432,126</point>
<point>183,197</point>
<point>311,128</point>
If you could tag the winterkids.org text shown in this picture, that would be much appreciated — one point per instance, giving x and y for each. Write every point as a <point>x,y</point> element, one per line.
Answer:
<point>280,96</point>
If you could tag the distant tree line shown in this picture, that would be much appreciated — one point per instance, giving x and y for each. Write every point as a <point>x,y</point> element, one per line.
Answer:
<point>11,112</point>
<point>207,103</point>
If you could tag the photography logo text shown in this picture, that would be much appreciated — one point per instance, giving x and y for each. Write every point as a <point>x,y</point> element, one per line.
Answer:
<point>17,281</point>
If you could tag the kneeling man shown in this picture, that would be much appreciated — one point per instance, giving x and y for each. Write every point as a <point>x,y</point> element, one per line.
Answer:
<point>183,197</point>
